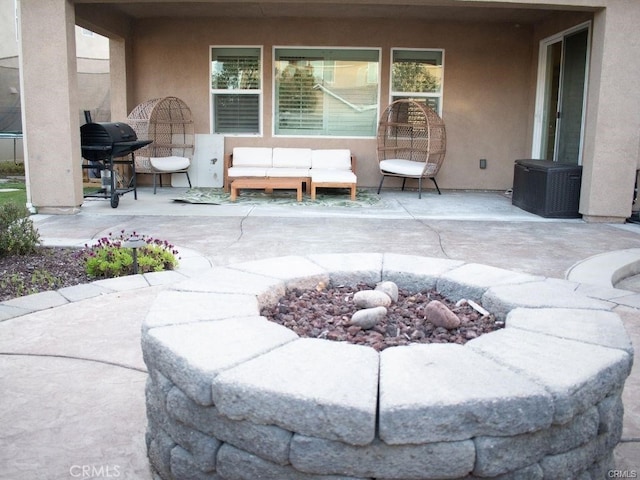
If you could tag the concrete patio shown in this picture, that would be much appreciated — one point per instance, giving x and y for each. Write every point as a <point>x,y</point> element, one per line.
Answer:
<point>73,374</point>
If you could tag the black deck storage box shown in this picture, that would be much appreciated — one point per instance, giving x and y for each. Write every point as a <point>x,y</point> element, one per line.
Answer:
<point>546,188</point>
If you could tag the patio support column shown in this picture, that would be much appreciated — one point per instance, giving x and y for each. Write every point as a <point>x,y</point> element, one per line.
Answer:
<point>612,134</point>
<point>118,74</point>
<point>50,111</point>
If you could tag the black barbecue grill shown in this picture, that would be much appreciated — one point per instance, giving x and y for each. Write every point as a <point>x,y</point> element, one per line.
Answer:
<point>106,144</point>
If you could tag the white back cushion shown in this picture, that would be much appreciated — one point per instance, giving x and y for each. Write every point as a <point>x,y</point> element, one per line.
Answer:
<point>252,156</point>
<point>291,157</point>
<point>331,158</point>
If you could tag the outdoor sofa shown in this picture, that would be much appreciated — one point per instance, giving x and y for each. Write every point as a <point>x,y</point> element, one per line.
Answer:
<point>319,168</point>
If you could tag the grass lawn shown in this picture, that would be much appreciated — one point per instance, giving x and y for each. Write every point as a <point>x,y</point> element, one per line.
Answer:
<point>13,192</point>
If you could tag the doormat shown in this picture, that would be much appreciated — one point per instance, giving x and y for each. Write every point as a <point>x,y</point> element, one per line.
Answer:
<point>334,197</point>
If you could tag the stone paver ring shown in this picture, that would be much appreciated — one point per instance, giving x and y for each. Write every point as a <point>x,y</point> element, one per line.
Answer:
<point>232,395</point>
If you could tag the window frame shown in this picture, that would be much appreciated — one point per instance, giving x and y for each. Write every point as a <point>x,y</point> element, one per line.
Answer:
<point>259,92</point>
<point>397,94</point>
<point>274,103</point>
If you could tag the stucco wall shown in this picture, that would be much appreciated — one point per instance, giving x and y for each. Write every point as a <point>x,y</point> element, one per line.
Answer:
<point>489,82</point>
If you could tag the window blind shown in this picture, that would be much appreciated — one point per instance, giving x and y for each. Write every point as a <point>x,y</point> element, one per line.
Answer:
<point>235,87</point>
<point>326,92</point>
<point>236,113</point>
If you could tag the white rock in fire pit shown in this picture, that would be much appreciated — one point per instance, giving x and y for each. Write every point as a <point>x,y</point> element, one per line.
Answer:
<point>439,314</point>
<point>390,288</point>
<point>371,298</point>
<point>368,317</point>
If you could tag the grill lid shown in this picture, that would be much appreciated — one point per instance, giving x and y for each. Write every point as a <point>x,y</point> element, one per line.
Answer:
<point>104,140</point>
<point>106,133</point>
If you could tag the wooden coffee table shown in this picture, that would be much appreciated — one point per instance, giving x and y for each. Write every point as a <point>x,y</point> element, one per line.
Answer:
<point>267,184</point>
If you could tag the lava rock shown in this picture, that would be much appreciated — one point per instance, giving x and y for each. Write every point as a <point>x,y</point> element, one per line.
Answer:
<point>371,299</point>
<point>368,317</point>
<point>440,315</point>
<point>329,312</point>
<point>390,288</point>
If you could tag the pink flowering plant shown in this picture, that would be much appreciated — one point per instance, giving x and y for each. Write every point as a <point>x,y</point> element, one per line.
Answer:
<point>111,257</point>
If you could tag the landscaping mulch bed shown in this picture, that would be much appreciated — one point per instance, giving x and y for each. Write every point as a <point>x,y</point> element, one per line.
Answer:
<point>49,268</point>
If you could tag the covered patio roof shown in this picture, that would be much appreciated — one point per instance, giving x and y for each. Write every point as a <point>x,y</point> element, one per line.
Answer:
<point>452,10</point>
<point>611,125</point>
<point>93,13</point>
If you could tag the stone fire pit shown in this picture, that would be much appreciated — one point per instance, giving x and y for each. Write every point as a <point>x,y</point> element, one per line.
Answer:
<point>233,396</point>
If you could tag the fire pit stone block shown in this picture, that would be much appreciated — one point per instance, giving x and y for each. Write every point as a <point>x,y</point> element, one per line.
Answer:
<point>472,280</point>
<point>232,396</point>
<point>313,387</point>
<point>437,393</point>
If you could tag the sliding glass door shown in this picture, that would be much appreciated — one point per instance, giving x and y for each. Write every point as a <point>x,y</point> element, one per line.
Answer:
<point>558,135</point>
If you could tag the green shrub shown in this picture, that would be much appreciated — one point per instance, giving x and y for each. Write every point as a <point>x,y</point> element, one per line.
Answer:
<point>15,282</point>
<point>18,236</point>
<point>41,280</point>
<point>109,258</point>
<point>11,168</point>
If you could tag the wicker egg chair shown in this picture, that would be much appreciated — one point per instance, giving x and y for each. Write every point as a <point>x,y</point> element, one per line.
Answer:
<point>412,143</point>
<point>168,122</point>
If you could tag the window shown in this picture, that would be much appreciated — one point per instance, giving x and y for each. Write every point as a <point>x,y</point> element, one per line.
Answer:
<point>417,74</point>
<point>236,89</point>
<point>326,92</point>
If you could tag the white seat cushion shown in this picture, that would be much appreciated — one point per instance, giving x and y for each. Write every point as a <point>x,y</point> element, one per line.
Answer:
<point>331,158</point>
<point>407,168</point>
<point>288,172</point>
<point>333,176</point>
<point>252,157</point>
<point>291,157</point>
<point>169,164</point>
<point>235,172</point>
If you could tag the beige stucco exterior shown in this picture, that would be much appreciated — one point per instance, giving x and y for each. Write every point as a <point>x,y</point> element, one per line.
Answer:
<point>490,79</point>
<point>479,83</point>
<point>92,52</point>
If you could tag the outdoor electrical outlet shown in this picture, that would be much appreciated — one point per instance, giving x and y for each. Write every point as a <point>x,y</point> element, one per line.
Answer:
<point>483,163</point>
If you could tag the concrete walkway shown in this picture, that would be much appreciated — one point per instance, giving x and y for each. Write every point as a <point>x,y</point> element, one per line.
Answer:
<point>72,381</point>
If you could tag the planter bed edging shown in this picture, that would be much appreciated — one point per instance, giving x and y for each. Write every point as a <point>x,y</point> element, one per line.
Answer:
<point>232,396</point>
